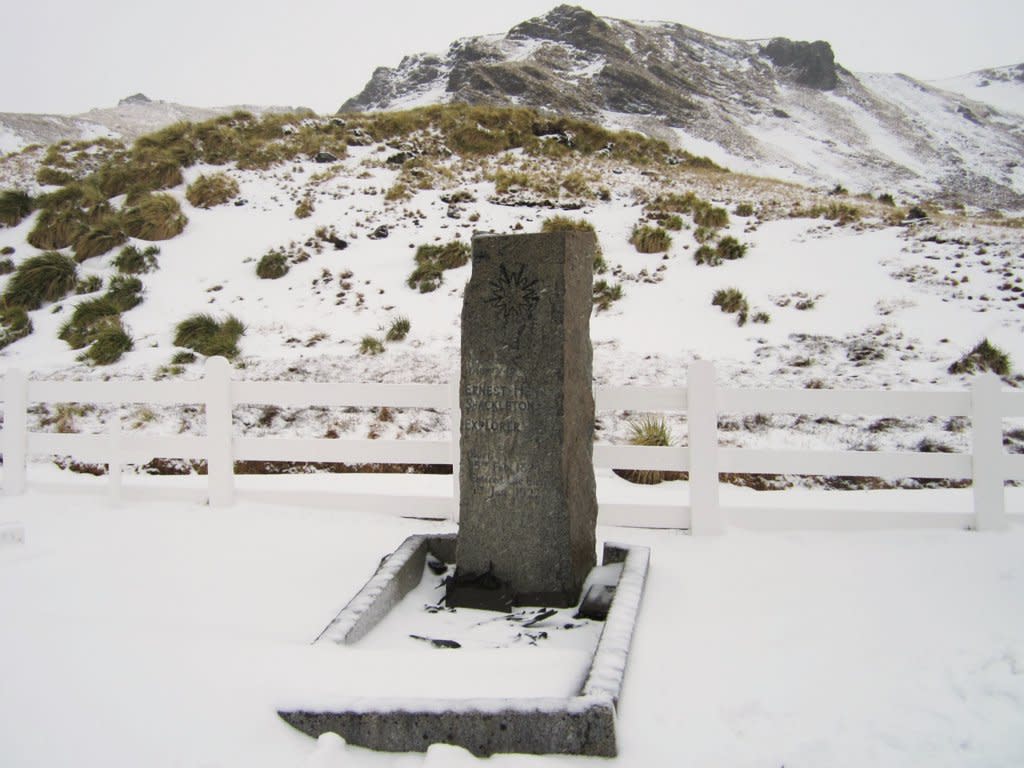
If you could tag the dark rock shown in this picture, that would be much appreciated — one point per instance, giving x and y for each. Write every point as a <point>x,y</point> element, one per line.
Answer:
<point>379,233</point>
<point>338,122</point>
<point>436,566</point>
<point>968,114</point>
<point>454,212</point>
<point>528,504</point>
<point>573,25</point>
<point>337,242</point>
<point>240,202</point>
<point>135,98</point>
<point>458,196</point>
<point>325,157</point>
<point>780,113</point>
<point>357,137</point>
<point>917,213</point>
<point>437,642</point>
<point>812,64</point>
<point>399,158</point>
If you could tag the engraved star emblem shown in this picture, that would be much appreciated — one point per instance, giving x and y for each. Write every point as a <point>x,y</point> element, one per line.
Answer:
<point>513,293</point>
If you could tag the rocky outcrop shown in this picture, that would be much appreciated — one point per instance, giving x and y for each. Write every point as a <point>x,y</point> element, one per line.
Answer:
<point>135,98</point>
<point>810,64</point>
<point>784,106</point>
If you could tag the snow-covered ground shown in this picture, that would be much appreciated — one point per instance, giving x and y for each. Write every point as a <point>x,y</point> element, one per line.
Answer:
<point>167,633</point>
<point>865,305</point>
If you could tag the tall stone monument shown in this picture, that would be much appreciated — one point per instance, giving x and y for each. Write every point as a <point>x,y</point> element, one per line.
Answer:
<point>528,505</point>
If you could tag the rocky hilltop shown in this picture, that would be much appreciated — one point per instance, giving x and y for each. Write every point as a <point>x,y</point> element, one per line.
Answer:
<point>775,107</point>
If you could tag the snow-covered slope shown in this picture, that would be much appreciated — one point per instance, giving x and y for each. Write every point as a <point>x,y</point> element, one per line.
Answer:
<point>1001,88</point>
<point>131,118</point>
<point>864,304</point>
<point>778,108</point>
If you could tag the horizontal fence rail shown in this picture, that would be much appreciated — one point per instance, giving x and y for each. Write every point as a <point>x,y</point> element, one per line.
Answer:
<point>987,465</point>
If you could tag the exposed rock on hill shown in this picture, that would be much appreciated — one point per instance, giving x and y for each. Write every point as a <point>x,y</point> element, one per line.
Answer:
<point>782,108</point>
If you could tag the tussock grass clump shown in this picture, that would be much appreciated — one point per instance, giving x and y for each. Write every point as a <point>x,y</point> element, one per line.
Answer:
<point>569,224</point>
<point>744,209</point>
<point>984,357</point>
<point>6,266</point>
<point>506,179</point>
<point>209,191</point>
<point>672,222</point>
<point>15,205</point>
<point>183,357</point>
<point>154,217</point>
<point>433,260</point>
<point>208,336</point>
<point>132,261</point>
<point>81,328</point>
<point>705,254</point>
<point>837,211</point>
<point>398,329</point>
<point>103,236</point>
<point>732,300</point>
<point>673,202</point>
<point>370,345</point>
<point>711,216</point>
<point>649,431</point>
<point>89,284</point>
<point>272,265</point>
<point>125,292</point>
<point>704,213</point>
<point>14,324</point>
<point>305,208</point>
<point>396,192</point>
<point>55,177</point>
<point>605,294</point>
<point>566,224</point>
<point>56,228</point>
<point>648,239</point>
<point>48,277</point>
<point>727,249</point>
<point>110,341</point>
<point>576,183</point>
<point>176,142</point>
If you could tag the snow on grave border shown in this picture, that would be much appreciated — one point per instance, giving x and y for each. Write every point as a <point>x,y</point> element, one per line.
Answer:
<point>583,724</point>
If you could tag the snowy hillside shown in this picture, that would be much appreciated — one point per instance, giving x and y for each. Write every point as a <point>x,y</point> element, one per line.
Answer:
<point>779,108</point>
<point>1001,88</point>
<point>837,291</point>
<point>131,118</point>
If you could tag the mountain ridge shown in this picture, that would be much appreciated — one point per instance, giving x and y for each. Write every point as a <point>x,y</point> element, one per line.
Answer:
<point>779,108</point>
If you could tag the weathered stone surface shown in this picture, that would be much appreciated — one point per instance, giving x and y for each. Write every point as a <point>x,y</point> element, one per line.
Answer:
<point>813,64</point>
<point>528,505</point>
<point>581,726</point>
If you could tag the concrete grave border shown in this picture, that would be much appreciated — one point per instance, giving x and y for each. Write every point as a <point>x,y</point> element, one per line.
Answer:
<point>583,724</point>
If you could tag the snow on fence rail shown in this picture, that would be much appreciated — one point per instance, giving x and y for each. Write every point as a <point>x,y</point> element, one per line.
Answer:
<point>986,405</point>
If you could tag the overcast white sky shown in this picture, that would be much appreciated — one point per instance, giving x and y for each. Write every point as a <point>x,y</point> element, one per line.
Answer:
<point>67,56</point>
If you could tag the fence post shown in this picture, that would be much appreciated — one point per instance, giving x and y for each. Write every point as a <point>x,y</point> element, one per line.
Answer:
<point>702,420</point>
<point>220,465</point>
<point>114,457</point>
<point>455,409</point>
<point>987,454</point>
<point>15,443</point>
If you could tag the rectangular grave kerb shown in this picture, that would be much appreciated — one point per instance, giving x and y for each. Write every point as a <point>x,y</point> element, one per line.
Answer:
<point>528,504</point>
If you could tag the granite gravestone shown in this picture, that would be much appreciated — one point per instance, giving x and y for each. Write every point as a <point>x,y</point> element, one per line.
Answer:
<point>528,505</point>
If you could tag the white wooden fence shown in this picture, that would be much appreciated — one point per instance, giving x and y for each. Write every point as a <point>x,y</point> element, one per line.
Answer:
<point>987,465</point>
